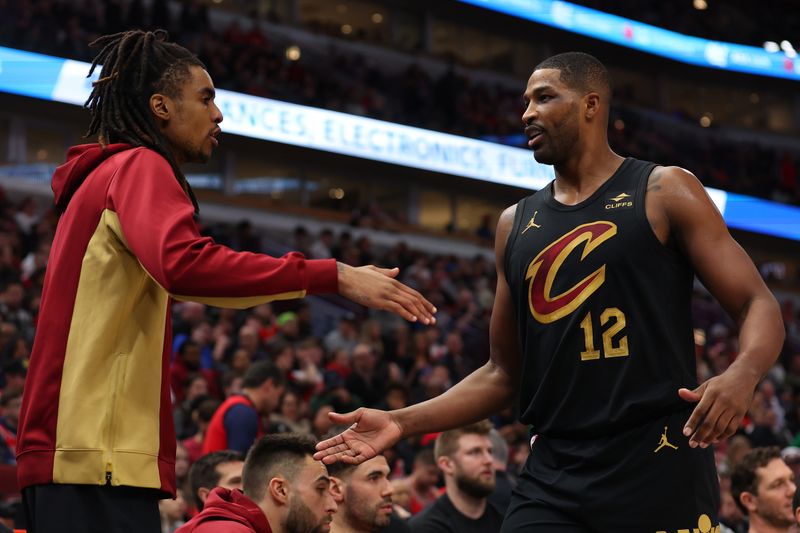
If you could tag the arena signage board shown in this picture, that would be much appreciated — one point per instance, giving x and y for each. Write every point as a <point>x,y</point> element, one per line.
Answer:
<point>61,80</point>
<point>646,38</point>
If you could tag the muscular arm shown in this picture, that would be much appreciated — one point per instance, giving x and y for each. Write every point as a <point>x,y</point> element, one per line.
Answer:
<point>678,206</point>
<point>486,391</point>
<point>491,387</point>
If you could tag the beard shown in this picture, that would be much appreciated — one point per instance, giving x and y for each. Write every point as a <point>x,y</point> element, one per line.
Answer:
<point>776,518</point>
<point>559,141</point>
<point>300,519</point>
<point>474,487</point>
<point>362,513</point>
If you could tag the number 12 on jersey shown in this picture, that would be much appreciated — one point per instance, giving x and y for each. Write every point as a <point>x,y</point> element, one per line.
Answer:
<point>616,318</point>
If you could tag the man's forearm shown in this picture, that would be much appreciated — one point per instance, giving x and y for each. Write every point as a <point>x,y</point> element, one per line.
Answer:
<point>761,337</point>
<point>486,391</point>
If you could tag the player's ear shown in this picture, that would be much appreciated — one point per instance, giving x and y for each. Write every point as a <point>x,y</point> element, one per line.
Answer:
<point>749,500</point>
<point>160,106</point>
<point>278,489</point>
<point>445,464</point>
<point>337,490</point>
<point>591,104</point>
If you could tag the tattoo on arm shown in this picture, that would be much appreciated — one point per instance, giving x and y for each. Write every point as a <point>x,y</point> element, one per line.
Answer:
<point>652,183</point>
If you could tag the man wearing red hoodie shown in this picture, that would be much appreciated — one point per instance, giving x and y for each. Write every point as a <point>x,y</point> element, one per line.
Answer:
<point>96,445</point>
<point>284,491</point>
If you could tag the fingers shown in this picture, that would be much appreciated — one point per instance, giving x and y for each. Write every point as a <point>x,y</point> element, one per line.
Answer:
<point>379,289</point>
<point>330,453</point>
<point>716,417</point>
<point>399,310</point>
<point>710,428</point>
<point>700,410</point>
<point>415,303</point>
<point>696,418</point>
<point>342,418</point>
<point>689,395</point>
<point>330,447</point>
<point>388,272</point>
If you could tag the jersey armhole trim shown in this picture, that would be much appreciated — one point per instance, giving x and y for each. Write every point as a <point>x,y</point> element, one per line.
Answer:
<point>641,218</point>
<point>512,237</point>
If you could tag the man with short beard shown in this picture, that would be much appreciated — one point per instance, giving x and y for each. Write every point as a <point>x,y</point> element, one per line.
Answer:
<point>763,486</point>
<point>284,491</point>
<point>464,456</point>
<point>364,495</point>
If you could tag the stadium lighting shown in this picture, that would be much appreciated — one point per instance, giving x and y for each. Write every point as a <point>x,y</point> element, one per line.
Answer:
<point>788,49</point>
<point>293,52</point>
<point>346,29</point>
<point>700,5</point>
<point>377,18</point>
<point>771,47</point>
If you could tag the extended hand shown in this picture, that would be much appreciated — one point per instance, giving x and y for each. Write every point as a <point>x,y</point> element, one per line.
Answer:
<point>376,287</point>
<point>372,431</point>
<point>722,402</point>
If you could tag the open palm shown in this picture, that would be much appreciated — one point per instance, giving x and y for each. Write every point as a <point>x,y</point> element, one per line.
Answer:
<point>371,431</point>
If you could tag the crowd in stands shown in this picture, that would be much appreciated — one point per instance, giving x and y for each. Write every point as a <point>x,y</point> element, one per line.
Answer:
<point>241,57</point>
<point>356,360</point>
<point>723,20</point>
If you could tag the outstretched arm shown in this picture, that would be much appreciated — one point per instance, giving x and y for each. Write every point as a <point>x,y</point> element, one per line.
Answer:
<point>729,274</point>
<point>376,287</point>
<point>484,392</point>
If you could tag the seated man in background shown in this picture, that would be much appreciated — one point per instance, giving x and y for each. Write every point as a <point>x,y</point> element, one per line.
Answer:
<point>216,469</point>
<point>364,495</point>
<point>763,486</point>
<point>464,456</point>
<point>284,491</point>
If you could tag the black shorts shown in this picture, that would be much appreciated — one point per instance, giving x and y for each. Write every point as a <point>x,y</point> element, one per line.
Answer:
<point>91,509</point>
<point>643,480</point>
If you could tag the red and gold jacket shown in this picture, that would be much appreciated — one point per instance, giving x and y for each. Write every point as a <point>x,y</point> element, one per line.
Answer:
<point>96,406</point>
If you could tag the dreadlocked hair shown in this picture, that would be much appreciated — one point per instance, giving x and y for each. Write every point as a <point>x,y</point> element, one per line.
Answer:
<point>135,65</point>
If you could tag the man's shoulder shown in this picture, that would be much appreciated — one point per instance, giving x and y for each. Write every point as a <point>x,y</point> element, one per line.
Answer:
<point>437,516</point>
<point>138,156</point>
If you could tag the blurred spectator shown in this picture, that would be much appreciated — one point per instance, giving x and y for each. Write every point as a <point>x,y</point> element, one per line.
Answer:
<point>763,487</point>
<point>10,402</point>
<point>202,411</point>
<point>290,416</point>
<point>505,483</point>
<point>365,380</point>
<point>344,337</point>
<point>238,421</point>
<point>464,456</point>
<point>217,469</point>
<point>422,481</point>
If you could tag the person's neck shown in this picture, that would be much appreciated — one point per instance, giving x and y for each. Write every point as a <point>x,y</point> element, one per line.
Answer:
<point>274,517</point>
<point>580,176</point>
<point>467,505</point>
<point>249,394</point>
<point>757,525</point>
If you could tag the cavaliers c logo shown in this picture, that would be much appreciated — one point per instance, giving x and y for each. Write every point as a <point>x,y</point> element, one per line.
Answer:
<point>544,267</point>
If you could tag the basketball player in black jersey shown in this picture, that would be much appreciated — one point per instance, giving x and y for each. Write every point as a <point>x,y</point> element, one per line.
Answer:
<point>591,332</point>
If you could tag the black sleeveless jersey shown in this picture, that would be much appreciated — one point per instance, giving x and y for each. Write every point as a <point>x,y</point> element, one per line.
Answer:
<point>603,310</point>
